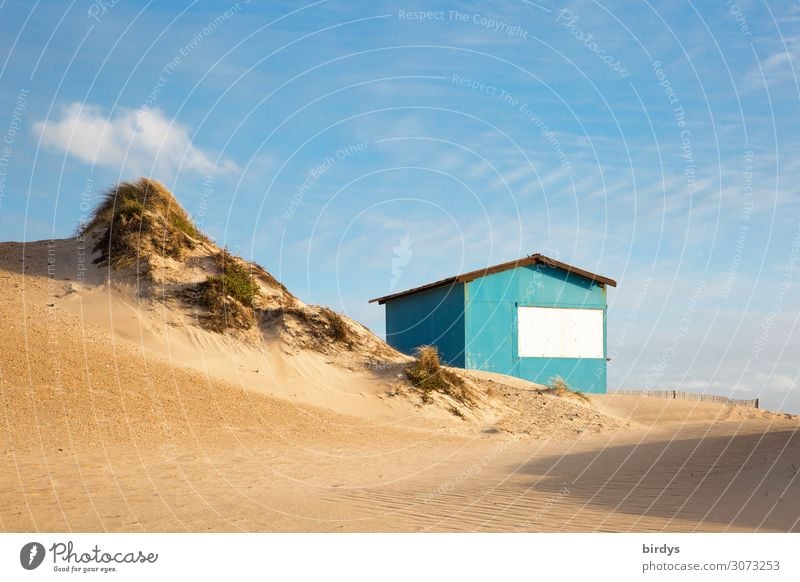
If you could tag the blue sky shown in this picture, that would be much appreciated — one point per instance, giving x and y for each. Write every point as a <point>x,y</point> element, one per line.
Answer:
<point>356,148</point>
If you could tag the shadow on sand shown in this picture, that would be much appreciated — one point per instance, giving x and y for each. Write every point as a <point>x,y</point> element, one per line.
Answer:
<point>746,481</point>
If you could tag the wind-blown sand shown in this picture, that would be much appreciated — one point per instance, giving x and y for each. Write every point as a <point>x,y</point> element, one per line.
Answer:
<point>117,415</point>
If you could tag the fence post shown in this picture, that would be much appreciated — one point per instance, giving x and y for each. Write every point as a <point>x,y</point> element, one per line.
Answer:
<point>674,394</point>
<point>756,402</point>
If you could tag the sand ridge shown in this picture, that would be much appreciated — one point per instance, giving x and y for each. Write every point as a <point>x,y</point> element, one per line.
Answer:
<point>118,415</point>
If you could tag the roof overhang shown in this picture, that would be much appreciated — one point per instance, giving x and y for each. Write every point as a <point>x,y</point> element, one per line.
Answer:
<point>524,262</point>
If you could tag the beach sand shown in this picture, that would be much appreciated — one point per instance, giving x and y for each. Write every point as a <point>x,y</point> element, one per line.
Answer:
<point>115,416</point>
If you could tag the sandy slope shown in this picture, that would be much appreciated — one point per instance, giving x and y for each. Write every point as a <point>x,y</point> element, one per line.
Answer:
<point>118,416</point>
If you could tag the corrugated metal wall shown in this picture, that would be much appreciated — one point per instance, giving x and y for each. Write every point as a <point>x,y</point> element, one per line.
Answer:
<point>433,317</point>
<point>492,326</point>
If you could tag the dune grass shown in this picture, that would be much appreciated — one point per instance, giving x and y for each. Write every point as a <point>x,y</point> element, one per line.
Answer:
<point>234,279</point>
<point>427,375</point>
<point>139,219</point>
<point>559,387</point>
<point>228,296</point>
<point>338,329</point>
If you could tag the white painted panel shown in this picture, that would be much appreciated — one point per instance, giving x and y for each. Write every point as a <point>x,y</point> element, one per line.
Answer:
<point>553,332</point>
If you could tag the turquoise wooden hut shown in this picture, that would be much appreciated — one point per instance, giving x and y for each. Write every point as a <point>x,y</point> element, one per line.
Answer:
<point>534,318</point>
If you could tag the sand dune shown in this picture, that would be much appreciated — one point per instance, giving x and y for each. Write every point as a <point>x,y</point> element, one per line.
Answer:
<point>120,414</point>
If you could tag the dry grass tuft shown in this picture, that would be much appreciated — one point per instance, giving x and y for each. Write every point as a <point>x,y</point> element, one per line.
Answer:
<point>139,219</point>
<point>559,387</point>
<point>427,375</point>
<point>314,328</point>
<point>336,326</point>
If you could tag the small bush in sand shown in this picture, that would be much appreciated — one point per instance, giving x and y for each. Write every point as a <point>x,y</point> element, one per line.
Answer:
<point>228,296</point>
<point>138,219</point>
<point>427,375</point>
<point>235,279</point>
<point>338,329</point>
<point>559,387</point>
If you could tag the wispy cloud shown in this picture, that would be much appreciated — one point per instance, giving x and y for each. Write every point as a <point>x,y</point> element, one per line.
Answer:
<point>142,141</point>
<point>776,68</point>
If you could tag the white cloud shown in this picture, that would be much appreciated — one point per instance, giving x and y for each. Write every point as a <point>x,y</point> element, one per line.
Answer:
<point>773,70</point>
<point>142,141</point>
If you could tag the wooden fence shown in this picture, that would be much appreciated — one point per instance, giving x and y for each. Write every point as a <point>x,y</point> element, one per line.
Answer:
<point>679,395</point>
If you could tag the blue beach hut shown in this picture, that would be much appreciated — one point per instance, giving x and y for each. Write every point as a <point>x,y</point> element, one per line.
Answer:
<point>534,318</point>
